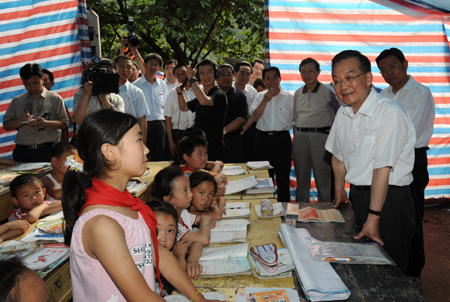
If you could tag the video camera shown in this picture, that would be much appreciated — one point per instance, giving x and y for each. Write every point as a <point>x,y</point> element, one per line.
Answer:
<point>132,37</point>
<point>103,80</point>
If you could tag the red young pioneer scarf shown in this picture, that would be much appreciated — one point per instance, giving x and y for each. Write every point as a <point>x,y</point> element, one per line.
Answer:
<point>102,193</point>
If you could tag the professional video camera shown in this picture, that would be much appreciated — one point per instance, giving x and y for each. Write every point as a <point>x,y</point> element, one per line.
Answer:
<point>132,37</point>
<point>103,80</point>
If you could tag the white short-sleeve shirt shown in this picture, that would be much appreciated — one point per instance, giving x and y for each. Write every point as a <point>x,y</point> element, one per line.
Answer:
<point>380,134</point>
<point>172,109</point>
<point>134,100</point>
<point>277,115</point>
<point>155,96</point>
<point>419,103</point>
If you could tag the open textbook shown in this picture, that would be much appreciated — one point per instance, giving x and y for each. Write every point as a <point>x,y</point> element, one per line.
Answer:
<point>240,185</point>
<point>319,281</point>
<point>225,261</point>
<point>309,214</point>
<point>237,210</point>
<point>229,230</point>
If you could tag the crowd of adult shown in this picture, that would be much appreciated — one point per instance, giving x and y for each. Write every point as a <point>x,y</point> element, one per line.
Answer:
<point>377,142</point>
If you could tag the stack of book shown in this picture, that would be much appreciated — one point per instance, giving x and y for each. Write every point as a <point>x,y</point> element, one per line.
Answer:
<point>233,170</point>
<point>265,185</point>
<point>237,210</point>
<point>41,256</point>
<point>259,165</point>
<point>32,168</point>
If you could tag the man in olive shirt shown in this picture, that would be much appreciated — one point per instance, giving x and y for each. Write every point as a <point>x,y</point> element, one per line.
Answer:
<point>38,115</point>
<point>314,110</point>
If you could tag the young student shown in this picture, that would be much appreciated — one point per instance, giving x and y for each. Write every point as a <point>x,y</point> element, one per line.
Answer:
<point>194,153</point>
<point>166,229</point>
<point>13,228</point>
<point>203,187</point>
<point>28,194</point>
<point>53,181</point>
<point>172,186</point>
<point>19,283</point>
<point>112,235</point>
<point>217,165</point>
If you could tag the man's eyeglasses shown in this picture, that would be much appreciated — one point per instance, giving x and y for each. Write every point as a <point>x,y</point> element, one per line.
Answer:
<point>392,67</point>
<point>347,80</point>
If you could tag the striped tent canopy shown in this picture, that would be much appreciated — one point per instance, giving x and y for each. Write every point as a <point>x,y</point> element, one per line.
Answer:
<point>52,33</point>
<point>320,29</point>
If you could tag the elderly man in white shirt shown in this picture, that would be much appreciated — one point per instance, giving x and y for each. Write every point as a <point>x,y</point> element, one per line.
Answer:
<point>419,103</point>
<point>272,110</point>
<point>372,141</point>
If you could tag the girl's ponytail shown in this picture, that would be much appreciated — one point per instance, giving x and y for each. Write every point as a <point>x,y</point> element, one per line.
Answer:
<point>73,199</point>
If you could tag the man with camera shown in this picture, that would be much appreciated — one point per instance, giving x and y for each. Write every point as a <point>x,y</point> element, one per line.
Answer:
<point>86,102</point>
<point>38,115</point>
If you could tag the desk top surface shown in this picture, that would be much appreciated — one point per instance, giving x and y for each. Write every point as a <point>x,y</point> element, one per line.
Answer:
<point>260,231</point>
<point>366,282</point>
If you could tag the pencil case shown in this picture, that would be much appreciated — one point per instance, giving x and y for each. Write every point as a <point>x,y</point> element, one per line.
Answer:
<point>266,207</point>
<point>266,256</point>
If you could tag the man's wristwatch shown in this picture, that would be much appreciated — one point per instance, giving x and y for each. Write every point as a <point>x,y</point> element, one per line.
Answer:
<point>192,80</point>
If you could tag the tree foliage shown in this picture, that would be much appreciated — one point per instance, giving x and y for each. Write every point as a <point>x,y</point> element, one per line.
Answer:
<point>177,28</point>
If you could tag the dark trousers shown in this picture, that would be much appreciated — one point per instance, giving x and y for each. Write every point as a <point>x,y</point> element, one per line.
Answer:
<point>277,150</point>
<point>249,139</point>
<point>421,178</point>
<point>233,151</point>
<point>176,137</point>
<point>156,140</point>
<point>23,154</point>
<point>396,224</point>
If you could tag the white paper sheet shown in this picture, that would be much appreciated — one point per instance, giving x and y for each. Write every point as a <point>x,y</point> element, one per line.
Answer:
<point>319,280</point>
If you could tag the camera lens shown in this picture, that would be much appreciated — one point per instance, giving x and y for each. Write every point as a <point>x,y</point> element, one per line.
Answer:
<point>134,41</point>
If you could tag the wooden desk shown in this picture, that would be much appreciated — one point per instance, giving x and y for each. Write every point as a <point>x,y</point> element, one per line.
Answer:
<point>260,231</point>
<point>366,282</point>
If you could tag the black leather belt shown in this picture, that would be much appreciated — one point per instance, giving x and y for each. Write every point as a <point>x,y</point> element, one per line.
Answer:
<point>367,188</point>
<point>38,146</point>
<point>273,133</point>
<point>322,130</point>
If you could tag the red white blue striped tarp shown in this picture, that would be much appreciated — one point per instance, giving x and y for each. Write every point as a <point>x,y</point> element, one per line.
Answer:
<point>44,32</point>
<point>320,29</point>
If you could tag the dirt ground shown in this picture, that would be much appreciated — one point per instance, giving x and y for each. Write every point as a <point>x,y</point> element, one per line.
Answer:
<point>435,285</point>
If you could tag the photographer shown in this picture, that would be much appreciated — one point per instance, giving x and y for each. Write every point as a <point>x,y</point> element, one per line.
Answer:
<point>85,102</point>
